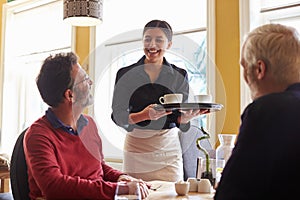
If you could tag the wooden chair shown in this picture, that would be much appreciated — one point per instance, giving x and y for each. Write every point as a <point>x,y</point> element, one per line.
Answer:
<point>4,178</point>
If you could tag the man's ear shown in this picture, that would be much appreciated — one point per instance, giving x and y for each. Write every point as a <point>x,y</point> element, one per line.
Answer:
<point>69,94</point>
<point>261,69</point>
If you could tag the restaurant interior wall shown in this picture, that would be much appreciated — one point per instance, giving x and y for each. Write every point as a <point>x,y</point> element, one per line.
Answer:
<point>227,60</point>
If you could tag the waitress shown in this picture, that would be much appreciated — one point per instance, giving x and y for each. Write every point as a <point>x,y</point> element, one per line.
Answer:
<point>152,149</point>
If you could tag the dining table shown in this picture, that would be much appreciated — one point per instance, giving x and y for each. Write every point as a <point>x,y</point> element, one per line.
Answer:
<point>166,190</point>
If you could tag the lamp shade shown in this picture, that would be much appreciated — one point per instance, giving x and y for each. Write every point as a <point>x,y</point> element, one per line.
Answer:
<point>83,12</point>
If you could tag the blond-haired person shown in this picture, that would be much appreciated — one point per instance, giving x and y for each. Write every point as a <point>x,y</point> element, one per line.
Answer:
<point>264,163</point>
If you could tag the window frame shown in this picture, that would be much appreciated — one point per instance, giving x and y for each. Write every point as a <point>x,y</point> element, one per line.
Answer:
<point>251,18</point>
<point>9,9</point>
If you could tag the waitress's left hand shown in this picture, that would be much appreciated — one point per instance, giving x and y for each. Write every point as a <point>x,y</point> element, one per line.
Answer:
<point>188,115</point>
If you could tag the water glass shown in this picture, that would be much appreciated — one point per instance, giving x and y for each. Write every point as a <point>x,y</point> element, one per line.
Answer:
<point>128,191</point>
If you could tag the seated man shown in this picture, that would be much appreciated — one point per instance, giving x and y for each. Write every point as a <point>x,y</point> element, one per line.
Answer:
<point>63,149</point>
<point>264,162</point>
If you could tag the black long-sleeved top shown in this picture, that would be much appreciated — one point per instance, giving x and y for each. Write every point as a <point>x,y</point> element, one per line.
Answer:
<point>134,91</point>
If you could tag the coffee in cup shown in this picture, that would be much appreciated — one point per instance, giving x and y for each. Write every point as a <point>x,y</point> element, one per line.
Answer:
<point>203,98</point>
<point>171,98</point>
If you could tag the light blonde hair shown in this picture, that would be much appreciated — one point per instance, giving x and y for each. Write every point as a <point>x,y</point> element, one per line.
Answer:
<point>279,47</point>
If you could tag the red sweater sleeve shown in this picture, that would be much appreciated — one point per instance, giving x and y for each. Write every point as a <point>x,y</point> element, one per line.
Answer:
<point>110,174</point>
<point>61,165</point>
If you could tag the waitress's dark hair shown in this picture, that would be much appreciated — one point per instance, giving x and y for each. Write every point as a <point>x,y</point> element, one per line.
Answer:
<point>163,25</point>
<point>55,77</point>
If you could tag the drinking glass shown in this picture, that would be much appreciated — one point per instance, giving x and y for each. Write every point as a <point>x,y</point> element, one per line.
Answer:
<point>128,191</point>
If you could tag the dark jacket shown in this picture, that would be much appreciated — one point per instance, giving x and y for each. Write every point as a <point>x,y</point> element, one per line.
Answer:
<point>264,163</point>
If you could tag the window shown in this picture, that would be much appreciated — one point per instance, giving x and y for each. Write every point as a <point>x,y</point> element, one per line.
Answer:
<point>27,43</point>
<point>119,44</point>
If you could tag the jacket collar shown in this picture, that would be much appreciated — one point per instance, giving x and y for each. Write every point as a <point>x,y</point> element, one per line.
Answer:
<point>167,67</point>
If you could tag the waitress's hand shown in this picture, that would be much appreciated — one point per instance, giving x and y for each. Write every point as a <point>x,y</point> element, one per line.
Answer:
<point>155,114</point>
<point>149,113</point>
<point>188,115</point>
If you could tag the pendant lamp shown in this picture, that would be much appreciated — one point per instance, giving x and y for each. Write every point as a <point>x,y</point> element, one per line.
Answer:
<point>83,12</point>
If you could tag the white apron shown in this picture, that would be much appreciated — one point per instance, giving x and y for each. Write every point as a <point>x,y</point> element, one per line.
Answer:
<point>153,155</point>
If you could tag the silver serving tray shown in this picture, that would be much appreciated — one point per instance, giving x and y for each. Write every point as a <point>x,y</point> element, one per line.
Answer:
<point>212,107</point>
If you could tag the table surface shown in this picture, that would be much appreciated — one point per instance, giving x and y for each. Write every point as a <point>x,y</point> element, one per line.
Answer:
<point>4,174</point>
<point>167,191</point>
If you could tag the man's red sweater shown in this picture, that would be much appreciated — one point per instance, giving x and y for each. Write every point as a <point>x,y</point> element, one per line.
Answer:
<point>66,166</point>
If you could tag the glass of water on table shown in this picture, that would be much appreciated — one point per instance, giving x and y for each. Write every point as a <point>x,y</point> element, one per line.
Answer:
<point>128,191</point>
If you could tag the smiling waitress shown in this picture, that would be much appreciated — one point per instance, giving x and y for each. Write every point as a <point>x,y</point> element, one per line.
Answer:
<point>152,149</point>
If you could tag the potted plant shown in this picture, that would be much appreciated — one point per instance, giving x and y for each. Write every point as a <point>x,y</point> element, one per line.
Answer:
<point>207,174</point>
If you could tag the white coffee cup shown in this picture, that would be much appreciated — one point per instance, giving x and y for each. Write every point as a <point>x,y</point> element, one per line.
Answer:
<point>203,98</point>
<point>171,98</point>
<point>182,188</point>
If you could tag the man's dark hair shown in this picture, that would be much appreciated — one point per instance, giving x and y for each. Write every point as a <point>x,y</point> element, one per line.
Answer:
<point>55,77</point>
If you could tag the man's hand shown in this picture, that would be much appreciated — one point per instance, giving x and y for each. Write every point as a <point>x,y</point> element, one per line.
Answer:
<point>126,178</point>
<point>144,187</point>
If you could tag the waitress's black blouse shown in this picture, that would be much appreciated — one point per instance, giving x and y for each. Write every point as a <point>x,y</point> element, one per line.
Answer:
<point>134,91</point>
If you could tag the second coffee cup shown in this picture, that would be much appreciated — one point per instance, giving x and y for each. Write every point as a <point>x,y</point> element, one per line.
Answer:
<point>171,98</point>
<point>203,98</point>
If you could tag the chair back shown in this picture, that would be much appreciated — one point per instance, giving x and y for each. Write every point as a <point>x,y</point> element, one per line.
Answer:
<point>190,152</point>
<point>18,171</point>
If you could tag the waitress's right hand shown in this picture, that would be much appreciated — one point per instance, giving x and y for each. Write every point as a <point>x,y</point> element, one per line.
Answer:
<point>149,113</point>
<point>155,114</point>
